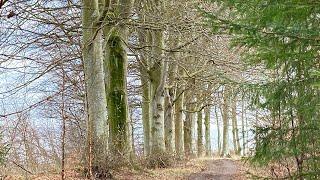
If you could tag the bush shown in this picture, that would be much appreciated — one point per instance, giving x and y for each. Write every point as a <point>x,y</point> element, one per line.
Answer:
<point>160,160</point>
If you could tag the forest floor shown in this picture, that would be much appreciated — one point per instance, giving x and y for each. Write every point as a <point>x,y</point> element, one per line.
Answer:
<point>196,169</point>
<point>217,169</point>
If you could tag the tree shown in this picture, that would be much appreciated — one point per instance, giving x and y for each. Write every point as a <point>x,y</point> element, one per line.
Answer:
<point>200,146</point>
<point>225,117</point>
<point>147,55</point>
<point>170,94</point>
<point>95,88</point>
<point>106,82</point>
<point>235,130</point>
<point>218,129</point>
<point>116,62</point>
<point>179,116</point>
<point>282,37</point>
<point>207,131</point>
<point>144,76</point>
<point>190,145</point>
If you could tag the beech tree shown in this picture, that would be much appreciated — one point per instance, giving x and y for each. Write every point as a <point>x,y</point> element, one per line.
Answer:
<point>225,117</point>
<point>126,77</point>
<point>95,87</point>
<point>116,73</point>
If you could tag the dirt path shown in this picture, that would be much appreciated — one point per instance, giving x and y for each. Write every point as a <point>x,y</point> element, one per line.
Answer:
<point>219,169</point>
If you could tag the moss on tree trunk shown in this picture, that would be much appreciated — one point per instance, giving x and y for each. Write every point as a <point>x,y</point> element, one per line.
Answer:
<point>116,62</point>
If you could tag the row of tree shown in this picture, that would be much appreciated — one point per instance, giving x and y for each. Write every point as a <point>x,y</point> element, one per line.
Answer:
<point>103,78</point>
<point>174,56</point>
<point>126,74</point>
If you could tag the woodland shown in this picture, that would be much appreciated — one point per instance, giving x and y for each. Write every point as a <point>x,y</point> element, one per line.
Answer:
<point>90,89</point>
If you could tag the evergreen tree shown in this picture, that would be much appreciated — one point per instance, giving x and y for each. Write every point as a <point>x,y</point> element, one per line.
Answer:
<point>282,36</point>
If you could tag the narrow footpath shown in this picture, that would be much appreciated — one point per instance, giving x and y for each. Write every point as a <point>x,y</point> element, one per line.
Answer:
<point>219,169</point>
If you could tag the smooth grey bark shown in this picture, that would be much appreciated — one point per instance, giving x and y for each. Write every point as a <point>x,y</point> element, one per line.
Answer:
<point>218,129</point>
<point>225,118</point>
<point>236,142</point>
<point>145,39</point>
<point>187,135</point>
<point>193,131</point>
<point>247,132</point>
<point>207,131</point>
<point>189,126</point>
<point>145,114</point>
<point>207,119</point>
<point>179,118</point>
<point>169,120</point>
<point>97,133</point>
<point>243,129</point>
<point>200,147</point>
<point>157,75</point>
<point>170,95</point>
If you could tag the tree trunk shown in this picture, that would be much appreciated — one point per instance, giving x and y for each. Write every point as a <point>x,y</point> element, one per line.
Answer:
<point>97,133</point>
<point>187,135</point>
<point>169,120</point>
<point>145,115</point>
<point>145,39</point>
<point>189,128</point>
<point>116,62</point>
<point>200,134</point>
<point>207,131</point>
<point>243,128</point>
<point>170,97</point>
<point>179,118</point>
<point>218,129</point>
<point>235,132</point>
<point>225,118</point>
<point>157,81</point>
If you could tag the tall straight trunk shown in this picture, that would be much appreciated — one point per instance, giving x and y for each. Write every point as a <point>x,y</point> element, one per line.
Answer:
<point>225,118</point>
<point>132,131</point>
<point>189,128</point>
<point>247,132</point>
<point>200,134</point>
<point>97,133</point>
<point>145,115</point>
<point>243,128</point>
<point>169,120</point>
<point>145,39</point>
<point>179,119</point>
<point>116,62</point>
<point>193,129</point>
<point>187,135</point>
<point>157,76</point>
<point>170,96</point>
<point>218,129</point>
<point>179,116</point>
<point>207,131</point>
<point>235,132</point>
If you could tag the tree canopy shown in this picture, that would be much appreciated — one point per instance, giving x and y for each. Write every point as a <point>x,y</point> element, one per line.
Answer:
<point>284,38</point>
